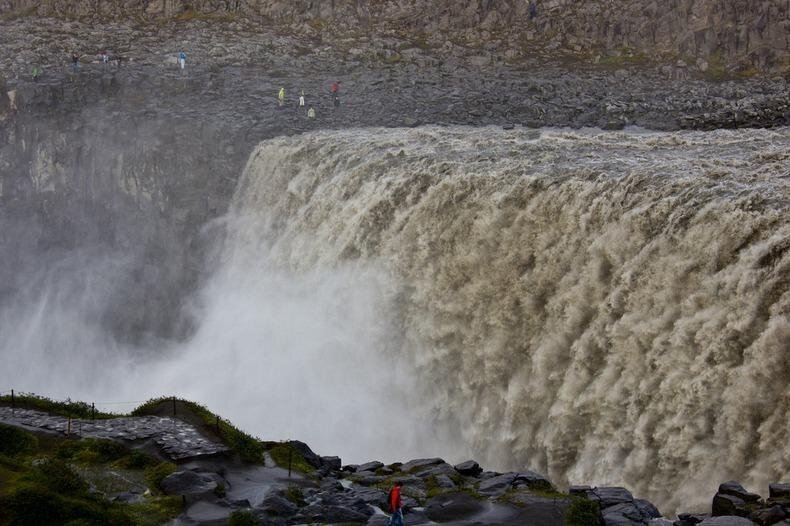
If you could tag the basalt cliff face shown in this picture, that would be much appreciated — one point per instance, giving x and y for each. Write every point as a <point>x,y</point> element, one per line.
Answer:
<point>741,34</point>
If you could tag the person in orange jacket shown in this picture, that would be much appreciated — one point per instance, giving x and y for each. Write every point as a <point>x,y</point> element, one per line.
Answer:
<point>395,503</point>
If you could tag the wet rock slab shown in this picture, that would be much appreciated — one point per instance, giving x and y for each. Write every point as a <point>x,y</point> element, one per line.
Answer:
<point>176,439</point>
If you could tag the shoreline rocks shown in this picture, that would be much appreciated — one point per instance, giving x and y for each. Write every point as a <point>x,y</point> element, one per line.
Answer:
<point>433,490</point>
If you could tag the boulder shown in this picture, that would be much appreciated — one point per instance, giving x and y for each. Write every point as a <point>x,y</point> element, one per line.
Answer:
<point>369,466</point>
<point>779,490</point>
<point>307,453</point>
<point>734,488</point>
<point>726,520</point>
<point>470,468</point>
<point>188,483</point>
<point>439,469</point>
<point>612,495</point>
<point>443,481</point>
<point>769,516</point>
<point>648,510</point>
<point>350,468</point>
<point>409,480</point>
<point>419,463</point>
<point>623,514</point>
<point>724,504</point>
<point>374,497</point>
<point>485,475</point>
<point>365,479</point>
<point>332,462</point>
<point>278,505</point>
<point>580,491</point>
<point>332,484</point>
<point>532,480</point>
<point>497,486</point>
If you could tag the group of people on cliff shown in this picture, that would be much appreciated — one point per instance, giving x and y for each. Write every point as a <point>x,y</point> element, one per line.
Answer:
<point>181,59</point>
<point>334,89</point>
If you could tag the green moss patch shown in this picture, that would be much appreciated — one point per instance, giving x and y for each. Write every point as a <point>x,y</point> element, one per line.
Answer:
<point>14,441</point>
<point>582,512</point>
<point>65,408</point>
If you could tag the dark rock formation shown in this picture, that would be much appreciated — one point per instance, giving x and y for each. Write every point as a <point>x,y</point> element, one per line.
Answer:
<point>332,463</point>
<point>618,506</point>
<point>469,468</point>
<point>734,505</point>
<point>532,480</point>
<point>733,499</point>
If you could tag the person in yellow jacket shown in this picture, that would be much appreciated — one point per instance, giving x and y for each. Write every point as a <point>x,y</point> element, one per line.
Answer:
<point>281,96</point>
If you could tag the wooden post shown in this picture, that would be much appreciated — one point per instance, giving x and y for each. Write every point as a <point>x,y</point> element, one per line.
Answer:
<point>13,404</point>
<point>216,422</point>
<point>174,406</point>
<point>93,412</point>
<point>68,428</point>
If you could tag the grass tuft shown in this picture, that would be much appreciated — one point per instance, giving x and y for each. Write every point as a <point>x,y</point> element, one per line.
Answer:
<point>280,453</point>
<point>65,408</point>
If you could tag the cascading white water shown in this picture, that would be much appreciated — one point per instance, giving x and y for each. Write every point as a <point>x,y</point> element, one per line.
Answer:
<point>604,307</point>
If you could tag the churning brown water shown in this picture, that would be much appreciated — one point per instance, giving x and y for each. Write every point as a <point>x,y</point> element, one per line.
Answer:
<point>605,307</point>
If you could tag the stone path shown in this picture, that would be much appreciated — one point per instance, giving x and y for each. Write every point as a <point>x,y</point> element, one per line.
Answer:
<point>176,439</point>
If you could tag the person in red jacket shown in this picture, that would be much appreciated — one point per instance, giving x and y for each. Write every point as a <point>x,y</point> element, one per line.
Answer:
<point>395,503</point>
